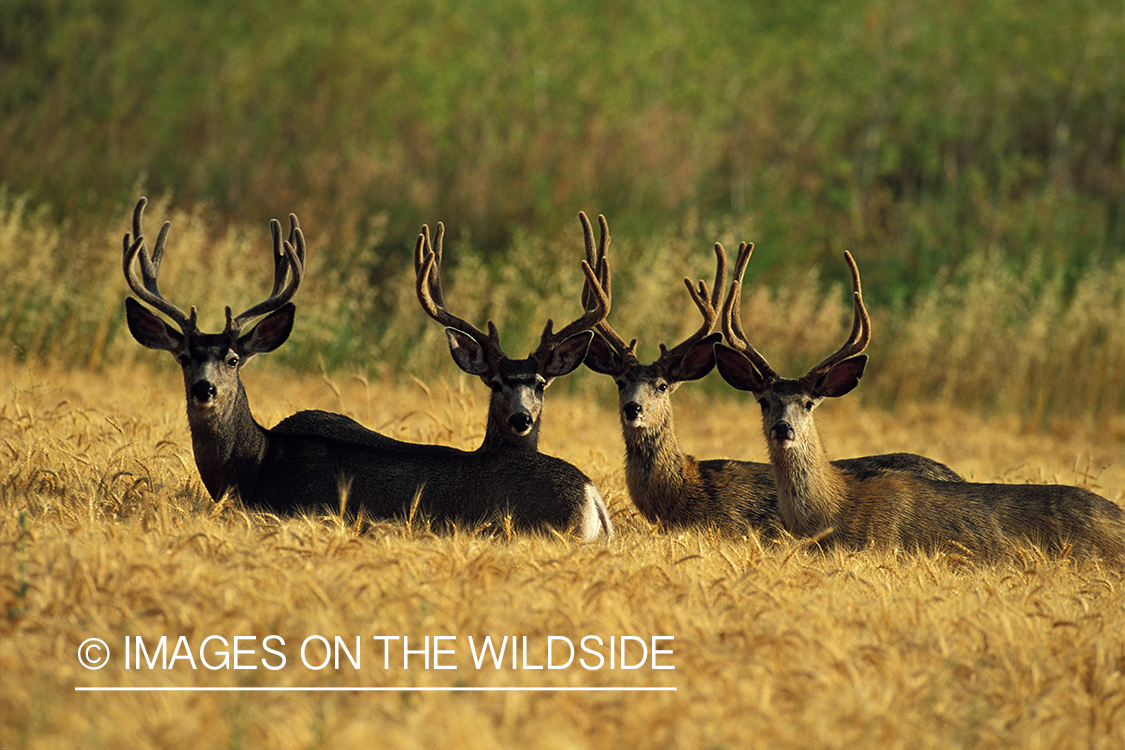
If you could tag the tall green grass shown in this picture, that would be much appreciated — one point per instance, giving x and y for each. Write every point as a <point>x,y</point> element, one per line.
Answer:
<point>914,133</point>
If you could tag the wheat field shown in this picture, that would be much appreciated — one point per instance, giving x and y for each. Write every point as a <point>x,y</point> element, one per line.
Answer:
<point>108,533</point>
<point>969,155</point>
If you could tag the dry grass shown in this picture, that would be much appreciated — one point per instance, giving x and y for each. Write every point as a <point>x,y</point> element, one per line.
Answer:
<point>995,334</point>
<point>107,532</point>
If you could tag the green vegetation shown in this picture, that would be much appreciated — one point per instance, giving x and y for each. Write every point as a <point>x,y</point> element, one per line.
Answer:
<point>943,144</point>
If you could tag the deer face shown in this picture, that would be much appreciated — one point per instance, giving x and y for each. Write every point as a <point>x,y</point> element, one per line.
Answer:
<point>786,413</point>
<point>517,385</point>
<point>787,405</point>
<point>644,391</point>
<point>517,395</point>
<point>210,362</point>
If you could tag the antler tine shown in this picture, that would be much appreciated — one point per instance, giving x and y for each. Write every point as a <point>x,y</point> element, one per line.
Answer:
<point>591,316</point>
<point>146,287</point>
<point>732,310</point>
<point>861,321</point>
<point>288,261</point>
<point>612,337</point>
<point>596,258</point>
<point>421,248</point>
<point>732,315</point>
<point>595,297</point>
<point>280,260</point>
<point>860,336</point>
<point>708,306</point>
<point>427,282</point>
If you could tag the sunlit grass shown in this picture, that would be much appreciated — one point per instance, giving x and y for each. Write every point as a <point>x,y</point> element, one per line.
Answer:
<point>989,336</point>
<point>967,155</point>
<point>109,533</point>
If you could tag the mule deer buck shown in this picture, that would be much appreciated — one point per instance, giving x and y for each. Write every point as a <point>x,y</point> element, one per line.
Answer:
<point>816,498</point>
<point>515,407</point>
<point>671,488</point>
<point>315,459</point>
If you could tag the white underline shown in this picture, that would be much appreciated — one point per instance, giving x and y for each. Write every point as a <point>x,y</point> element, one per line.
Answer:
<point>371,689</point>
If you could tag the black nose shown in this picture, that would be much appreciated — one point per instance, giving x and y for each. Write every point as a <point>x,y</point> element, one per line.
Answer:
<point>203,391</point>
<point>520,422</point>
<point>783,431</point>
<point>632,410</point>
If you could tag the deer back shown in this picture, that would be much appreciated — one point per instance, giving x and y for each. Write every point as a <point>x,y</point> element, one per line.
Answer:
<point>320,460</point>
<point>979,521</point>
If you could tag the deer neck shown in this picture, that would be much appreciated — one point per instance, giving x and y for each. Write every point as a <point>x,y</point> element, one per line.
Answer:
<point>659,477</point>
<point>228,443</point>
<point>498,434</point>
<point>810,491</point>
<point>514,408</point>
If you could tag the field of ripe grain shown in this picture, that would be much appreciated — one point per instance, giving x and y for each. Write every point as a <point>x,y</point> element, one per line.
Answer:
<point>107,533</point>
<point>970,157</point>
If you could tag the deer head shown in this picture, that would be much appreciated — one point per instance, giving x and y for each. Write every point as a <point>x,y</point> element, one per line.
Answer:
<point>644,390</point>
<point>788,404</point>
<point>517,385</point>
<point>211,362</point>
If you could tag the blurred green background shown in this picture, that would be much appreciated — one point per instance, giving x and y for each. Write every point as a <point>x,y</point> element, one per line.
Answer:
<point>969,154</point>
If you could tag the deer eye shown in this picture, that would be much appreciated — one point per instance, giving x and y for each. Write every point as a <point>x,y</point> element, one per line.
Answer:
<point>232,361</point>
<point>662,387</point>
<point>809,405</point>
<point>762,403</point>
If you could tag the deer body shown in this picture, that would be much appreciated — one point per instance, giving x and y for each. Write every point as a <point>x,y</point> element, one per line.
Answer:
<point>909,512</point>
<point>897,509</point>
<point>535,491</point>
<point>316,460</point>
<point>672,488</point>
<point>313,459</point>
<point>676,490</point>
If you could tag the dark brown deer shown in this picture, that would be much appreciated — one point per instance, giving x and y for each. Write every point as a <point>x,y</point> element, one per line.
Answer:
<point>669,487</point>
<point>317,460</point>
<point>897,510</point>
<point>515,407</point>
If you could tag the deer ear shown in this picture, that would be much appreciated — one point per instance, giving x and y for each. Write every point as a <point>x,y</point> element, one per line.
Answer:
<point>841,378</point>
<point>149,330</point>
<point>737,370</point>
<point>601,358</point>
<point>568,355</point>
<point>270,332</point>
<point>467,353</point>
<point>697,361</point>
